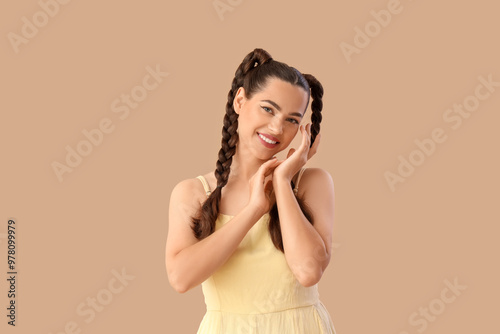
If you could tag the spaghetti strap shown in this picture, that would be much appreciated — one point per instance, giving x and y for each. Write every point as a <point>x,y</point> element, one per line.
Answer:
<point>205,184</point>
<point>296,189</point>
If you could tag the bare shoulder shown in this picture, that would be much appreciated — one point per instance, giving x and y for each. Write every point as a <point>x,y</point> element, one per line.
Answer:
<point>315,179</point>
<point>189,185</point>
<point>185,201</point>
<point>188,193</point>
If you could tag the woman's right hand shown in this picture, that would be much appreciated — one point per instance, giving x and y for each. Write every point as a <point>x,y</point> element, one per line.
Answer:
<point>261,198</point>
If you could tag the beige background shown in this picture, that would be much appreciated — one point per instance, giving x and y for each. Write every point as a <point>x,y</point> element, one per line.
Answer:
<point>394,249</point>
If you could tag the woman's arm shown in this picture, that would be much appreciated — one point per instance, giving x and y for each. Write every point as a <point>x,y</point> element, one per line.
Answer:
<point>189,262</point>
<point>307,247</point>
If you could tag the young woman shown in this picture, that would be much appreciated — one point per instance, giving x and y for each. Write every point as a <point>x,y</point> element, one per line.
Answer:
<point>256,241</point>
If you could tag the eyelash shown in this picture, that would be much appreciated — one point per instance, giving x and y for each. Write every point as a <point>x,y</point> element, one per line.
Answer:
<point>293,120</point>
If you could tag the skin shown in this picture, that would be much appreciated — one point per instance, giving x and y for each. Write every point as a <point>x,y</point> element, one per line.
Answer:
<point>255,183</point>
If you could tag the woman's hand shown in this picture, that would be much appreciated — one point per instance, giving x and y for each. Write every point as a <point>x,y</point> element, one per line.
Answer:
<point>296,159</point>
<point>261,191</point>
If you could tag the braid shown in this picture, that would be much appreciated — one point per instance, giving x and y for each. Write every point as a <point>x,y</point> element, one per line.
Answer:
<point>205,224</point>
<point>316,104</point>
<point>230,124</point>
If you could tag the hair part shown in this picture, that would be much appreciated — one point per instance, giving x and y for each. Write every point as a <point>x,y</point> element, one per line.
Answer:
<point>253,75</point>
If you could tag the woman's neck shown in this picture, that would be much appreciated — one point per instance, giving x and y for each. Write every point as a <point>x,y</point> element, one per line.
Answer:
<point>244,166</point>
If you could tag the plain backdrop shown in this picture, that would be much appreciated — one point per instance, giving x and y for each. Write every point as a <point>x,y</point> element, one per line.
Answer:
<point>395,76</point>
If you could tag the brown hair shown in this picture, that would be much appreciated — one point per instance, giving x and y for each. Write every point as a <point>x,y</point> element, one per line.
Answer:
<point>252,74</point>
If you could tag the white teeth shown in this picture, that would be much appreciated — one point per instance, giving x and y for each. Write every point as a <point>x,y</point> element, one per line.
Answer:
<point>267,140</point>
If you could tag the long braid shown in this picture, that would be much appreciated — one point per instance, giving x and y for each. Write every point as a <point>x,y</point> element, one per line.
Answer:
<point>205,225</point>
<point>316,104</point>
<point>230,124</point>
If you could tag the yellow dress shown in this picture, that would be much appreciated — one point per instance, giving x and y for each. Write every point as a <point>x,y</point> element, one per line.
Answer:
<point>255,292</point>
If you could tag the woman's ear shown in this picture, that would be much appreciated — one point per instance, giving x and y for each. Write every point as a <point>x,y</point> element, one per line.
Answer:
<point>239,100</point>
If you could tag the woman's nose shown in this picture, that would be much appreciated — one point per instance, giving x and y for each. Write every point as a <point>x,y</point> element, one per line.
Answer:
<point>276,126</point>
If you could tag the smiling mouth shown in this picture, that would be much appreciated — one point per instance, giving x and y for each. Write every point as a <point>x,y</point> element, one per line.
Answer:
<point>267,140</point>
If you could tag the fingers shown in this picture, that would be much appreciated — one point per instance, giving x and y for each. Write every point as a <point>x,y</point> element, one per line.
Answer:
<point>272,165</point>
<point>306,138</point>
<point>303,150</point>
<point>306,133</point>
<point>266,168</point>
<point>316,142</point>
<point>314,147</point>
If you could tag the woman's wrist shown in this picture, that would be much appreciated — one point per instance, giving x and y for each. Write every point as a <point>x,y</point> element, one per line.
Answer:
<point>278,179</point>
<point>254,211</point>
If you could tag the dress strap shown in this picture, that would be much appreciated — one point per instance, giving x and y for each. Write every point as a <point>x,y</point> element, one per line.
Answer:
<point>205,184</point>
<point>296,189</point>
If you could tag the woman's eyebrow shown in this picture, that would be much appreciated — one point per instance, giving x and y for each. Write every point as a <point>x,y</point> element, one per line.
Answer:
<point>279,108</point>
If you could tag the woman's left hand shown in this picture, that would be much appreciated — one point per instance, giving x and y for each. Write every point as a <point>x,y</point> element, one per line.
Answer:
<point>296,159</point>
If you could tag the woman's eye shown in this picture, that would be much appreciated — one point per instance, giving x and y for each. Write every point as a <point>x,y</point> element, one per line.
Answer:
<point>269,110</point>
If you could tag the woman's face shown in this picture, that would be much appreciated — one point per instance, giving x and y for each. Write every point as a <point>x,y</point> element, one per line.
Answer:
<point>274,113</point>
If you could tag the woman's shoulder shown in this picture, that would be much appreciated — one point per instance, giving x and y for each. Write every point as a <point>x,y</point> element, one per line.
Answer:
<point>316,171</point>
<point>315,177</point>
<point>190,187</point>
